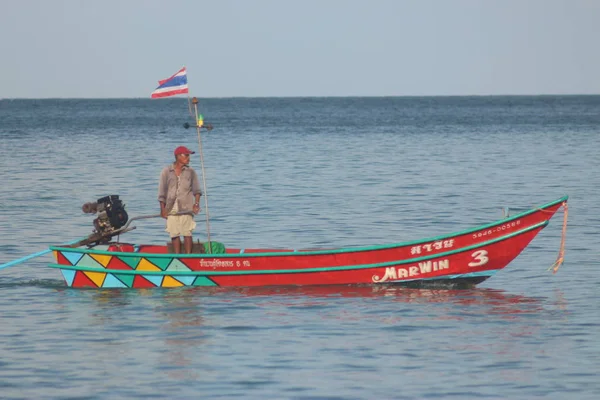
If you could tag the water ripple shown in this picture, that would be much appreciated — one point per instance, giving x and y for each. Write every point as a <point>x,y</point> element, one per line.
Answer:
<point>304,173</point>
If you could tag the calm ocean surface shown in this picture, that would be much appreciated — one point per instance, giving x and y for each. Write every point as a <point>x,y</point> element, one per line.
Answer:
<point>305,172</point>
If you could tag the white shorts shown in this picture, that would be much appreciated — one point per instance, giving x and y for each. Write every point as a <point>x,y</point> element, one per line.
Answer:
<point>180,225</point>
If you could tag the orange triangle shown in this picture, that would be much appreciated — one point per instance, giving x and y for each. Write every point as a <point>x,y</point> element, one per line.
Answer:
<point>146,265</point>
<point>96,277</point>
<point>169,281</point>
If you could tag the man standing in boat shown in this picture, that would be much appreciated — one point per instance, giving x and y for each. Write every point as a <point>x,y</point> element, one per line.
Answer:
<point>179,197</point>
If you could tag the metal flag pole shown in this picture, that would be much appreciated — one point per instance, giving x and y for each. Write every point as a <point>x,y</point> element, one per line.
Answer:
<point>198,127</point>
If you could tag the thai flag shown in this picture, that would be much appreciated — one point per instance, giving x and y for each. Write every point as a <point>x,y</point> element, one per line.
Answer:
<point>177,84</point>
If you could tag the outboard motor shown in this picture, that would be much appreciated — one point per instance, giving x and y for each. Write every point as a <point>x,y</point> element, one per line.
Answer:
<point>111,214</point>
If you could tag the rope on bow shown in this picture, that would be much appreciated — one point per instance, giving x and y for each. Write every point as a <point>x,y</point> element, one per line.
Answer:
<point>561,252</point>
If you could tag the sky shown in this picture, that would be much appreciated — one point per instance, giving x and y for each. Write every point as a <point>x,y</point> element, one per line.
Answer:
<point>289,48</point>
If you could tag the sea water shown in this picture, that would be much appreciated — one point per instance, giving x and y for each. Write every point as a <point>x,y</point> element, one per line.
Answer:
<point>304,173</point>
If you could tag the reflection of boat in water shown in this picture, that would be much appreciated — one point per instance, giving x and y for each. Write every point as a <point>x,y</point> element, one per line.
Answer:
<point>462,258</point>
<point>472,296</point>
<point>382,305</point>
<point>492,300</point>
<point>188,299</point>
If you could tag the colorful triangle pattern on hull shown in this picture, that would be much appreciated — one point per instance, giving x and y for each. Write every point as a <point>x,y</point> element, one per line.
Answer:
<point>126,263</point>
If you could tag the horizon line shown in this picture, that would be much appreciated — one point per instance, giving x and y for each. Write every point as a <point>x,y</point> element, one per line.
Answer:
<point>305,97</point>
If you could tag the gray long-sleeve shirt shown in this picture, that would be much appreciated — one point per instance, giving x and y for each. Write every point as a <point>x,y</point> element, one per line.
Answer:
<point>182,190</point>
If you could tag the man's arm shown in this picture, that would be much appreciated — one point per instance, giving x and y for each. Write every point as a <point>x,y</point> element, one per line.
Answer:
<point>163,187</point>
<point>197,192</point>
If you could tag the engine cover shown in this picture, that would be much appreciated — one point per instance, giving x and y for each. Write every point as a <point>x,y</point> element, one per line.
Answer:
<point>111,214</point>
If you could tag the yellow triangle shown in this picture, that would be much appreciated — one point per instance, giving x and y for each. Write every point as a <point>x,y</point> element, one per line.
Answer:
<point>146,265</point>
<point>169,281</point>
<point>96,277</point>
<point>55,253</point>
<point>102,259</point>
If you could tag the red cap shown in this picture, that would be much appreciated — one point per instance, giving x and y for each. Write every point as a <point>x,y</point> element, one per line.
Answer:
<point>183,150</point>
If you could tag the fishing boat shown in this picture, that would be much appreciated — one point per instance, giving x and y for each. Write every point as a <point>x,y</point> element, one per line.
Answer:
<point>463,258</point>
